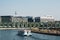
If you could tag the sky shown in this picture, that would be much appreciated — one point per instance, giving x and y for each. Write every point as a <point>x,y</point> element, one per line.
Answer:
<point>30,7</point>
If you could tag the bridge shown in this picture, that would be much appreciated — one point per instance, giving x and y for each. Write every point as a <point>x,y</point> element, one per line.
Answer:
<point>19,25</point>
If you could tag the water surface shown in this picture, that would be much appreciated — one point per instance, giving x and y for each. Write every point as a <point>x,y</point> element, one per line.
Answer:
<point>12,35</point>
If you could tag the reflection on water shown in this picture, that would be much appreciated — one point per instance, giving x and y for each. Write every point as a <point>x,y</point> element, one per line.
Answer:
<point>12,35</point>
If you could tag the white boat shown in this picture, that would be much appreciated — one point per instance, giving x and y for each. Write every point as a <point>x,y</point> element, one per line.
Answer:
<point>25,32</point>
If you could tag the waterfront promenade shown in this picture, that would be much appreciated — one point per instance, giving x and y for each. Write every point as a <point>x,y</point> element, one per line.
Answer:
<point>13,28</point>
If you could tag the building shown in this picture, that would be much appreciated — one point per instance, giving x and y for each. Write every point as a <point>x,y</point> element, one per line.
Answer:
<point>57,21</point>
<point>47,19</point>
<point>19,19</point>
<point>6,19</point>
<point>37,19</point>
<point>30,19</point>
<point>26,19</point>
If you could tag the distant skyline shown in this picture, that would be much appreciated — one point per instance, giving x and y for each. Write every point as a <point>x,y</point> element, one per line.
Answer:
<point>30,7</point>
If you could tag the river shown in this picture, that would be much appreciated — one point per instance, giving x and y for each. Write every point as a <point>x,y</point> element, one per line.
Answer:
<point>12,35</point>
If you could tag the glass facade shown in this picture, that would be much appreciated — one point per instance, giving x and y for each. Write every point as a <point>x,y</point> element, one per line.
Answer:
<point>37,19</point>
<point>6,19</point>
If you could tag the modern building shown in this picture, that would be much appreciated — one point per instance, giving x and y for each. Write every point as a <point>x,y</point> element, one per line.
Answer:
<point>37,19</point>
<point>6,19</point>
<point>47,19</point>
<point>26,19</point>
<point>30,18</point>
<point>19,19</point>
<point>57,21</point>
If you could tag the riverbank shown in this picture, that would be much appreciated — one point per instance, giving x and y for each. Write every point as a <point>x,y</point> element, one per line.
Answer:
<point>46,31</point>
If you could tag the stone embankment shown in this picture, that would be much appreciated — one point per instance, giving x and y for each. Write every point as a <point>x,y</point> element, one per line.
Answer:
<point>46,31</point>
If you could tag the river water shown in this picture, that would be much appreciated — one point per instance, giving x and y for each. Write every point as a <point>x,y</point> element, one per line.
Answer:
<point>12,35</point>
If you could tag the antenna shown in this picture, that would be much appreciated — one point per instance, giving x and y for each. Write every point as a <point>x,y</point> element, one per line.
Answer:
<point>15,13</point>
